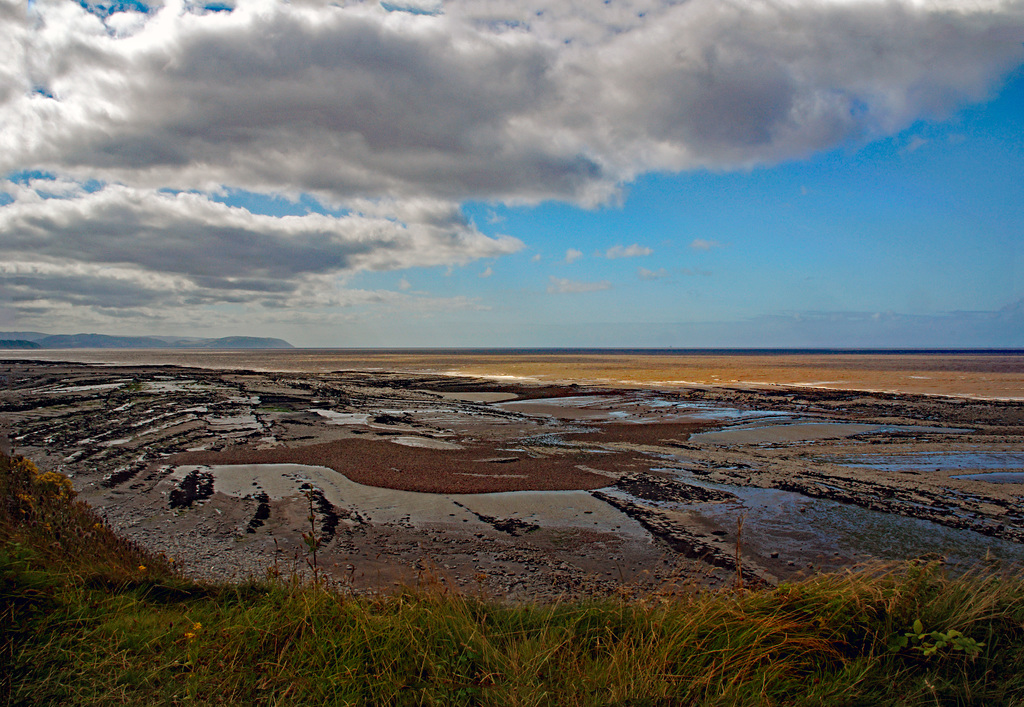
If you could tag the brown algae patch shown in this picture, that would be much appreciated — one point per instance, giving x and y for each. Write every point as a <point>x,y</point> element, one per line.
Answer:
<point>378,462</point>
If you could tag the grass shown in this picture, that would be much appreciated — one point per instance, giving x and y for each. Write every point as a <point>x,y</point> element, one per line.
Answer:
<point>90,619</point>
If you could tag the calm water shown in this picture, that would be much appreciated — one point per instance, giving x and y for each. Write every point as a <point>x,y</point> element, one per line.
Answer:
<point>938,461</point>
<point>796,525</point>
<point>1008,477</point>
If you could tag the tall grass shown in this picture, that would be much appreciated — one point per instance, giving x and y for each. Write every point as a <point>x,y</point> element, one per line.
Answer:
<point>90,619</point>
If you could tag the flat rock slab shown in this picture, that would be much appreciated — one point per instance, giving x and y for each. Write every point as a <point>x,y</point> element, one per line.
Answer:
<point>586,491</point>
<point>800,432</point>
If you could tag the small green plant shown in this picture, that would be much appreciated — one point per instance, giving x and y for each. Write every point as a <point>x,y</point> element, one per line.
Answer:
<point>931,642</point>
<point>311,540</point>
<point>273,408</point>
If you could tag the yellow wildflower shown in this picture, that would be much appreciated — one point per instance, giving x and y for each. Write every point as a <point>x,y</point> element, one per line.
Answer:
<point>142,568</point>
<point>58,484</point>
<point>189,635</point>
<point>24,465</point>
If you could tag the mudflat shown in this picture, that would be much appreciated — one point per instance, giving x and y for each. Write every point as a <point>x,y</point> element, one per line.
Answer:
<point>962,374</point>
<point>537,476</point>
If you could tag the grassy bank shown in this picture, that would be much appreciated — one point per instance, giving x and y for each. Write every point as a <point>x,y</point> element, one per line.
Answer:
<point>90,619</point>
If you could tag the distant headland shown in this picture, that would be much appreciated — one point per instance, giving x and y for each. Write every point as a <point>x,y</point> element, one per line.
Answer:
<point>38,340</point>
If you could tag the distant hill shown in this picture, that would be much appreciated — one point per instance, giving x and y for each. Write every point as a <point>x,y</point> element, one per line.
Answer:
<point>22,335</point>
<point>35,340</point>
<point>240,342</point>
<point>101,341</point>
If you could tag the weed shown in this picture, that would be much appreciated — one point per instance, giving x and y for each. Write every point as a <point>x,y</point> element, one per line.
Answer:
<point>311,540</point>
<point>83,624</point>
<point>932,642</point>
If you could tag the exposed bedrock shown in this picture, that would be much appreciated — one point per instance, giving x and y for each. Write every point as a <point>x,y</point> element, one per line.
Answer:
<point>647,455</point>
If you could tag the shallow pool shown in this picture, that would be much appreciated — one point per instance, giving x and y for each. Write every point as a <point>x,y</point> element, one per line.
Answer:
<point>996,477</point>
<point>830,533</point>
<point>939,461</point>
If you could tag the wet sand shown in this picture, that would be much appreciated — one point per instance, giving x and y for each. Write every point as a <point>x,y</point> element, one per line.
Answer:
<point>979,375</point>
<point>479,469</point>
<point>521,489</point>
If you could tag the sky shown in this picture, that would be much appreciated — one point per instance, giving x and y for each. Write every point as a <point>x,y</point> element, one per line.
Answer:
<point>516,173</point>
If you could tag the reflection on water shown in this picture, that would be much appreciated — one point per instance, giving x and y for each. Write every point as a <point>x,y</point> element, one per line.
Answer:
<point>636,408</point>
<point>998,477</point>
<point>939,461</point>
<point>814,530</point>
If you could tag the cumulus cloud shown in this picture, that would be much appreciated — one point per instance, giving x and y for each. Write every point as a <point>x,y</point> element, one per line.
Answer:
<point>394,114</point>
<point>191,234</point>
<point>487,272</point>
<point>572,255</point>
<point>514,101</point>
<point>89,285</point>
<point>645,274</point>
<point>703,244</point>
<point>631,251</point>
<point>339,101</point>
<point>74,297</point>
<point>126,247</point>
<point>559,285</point>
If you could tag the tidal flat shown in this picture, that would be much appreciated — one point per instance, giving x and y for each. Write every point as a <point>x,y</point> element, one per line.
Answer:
<point>547,475</point>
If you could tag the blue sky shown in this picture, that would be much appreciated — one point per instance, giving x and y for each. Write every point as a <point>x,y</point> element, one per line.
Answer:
<point>477,174</point>
<point>927,222</point>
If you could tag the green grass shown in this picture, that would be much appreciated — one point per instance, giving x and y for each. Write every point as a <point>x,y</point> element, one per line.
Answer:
<point>89,619</point>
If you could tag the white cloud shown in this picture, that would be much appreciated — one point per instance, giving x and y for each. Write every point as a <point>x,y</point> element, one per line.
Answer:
<point>703,244</point>
<point>404,284</point>
<point>397,118</point>
<point>512,101</point>
<point>51,296</point>
<point>488,271</point>
<point>631,251</point>
<point>191,234</point>
<point>645,274</point>
<point>422,6</point>
<point>559,285</point>
<point>915,143</point>
<point>126,247</point>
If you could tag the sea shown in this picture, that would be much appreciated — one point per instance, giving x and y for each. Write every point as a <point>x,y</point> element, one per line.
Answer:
<point>991,374</point>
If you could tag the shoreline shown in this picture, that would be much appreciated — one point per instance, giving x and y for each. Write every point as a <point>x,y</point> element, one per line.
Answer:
<point>997,376</point>
<point>148,444</point>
